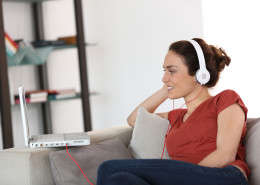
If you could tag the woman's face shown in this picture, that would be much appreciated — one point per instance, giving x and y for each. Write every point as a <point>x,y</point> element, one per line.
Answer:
<point>176,77</point>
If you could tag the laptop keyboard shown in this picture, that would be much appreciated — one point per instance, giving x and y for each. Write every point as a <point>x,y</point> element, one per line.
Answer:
<point>75,136</point>
<point>49,137</point>
<point>60,137</point>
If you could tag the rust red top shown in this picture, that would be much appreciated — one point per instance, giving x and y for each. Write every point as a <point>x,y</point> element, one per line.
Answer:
<point>194,139</point>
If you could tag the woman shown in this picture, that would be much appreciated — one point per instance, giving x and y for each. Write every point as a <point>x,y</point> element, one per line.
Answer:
<point>205,140</point>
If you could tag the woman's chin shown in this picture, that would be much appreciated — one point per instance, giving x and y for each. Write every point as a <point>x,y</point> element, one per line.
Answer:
<point>172,97</point>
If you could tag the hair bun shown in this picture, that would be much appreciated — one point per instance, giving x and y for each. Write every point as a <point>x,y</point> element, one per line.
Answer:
<point>221,57</point>
<point>227,58</point>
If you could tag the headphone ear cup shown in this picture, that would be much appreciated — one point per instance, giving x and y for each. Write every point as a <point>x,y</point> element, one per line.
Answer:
<point>202,76</point>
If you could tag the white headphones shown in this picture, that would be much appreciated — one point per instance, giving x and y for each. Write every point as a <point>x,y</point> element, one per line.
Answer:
<point>202,75</point>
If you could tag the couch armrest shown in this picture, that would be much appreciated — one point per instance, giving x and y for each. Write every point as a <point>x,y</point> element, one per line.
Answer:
<point>25,166</point>
<point>124,132</point>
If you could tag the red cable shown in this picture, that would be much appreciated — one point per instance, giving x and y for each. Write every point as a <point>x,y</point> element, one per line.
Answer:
<point>168,130</point>
<point>78,165</point>
<point>165,140</point>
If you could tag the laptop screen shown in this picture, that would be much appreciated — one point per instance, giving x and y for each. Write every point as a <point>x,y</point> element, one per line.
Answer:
<point>24,114</point>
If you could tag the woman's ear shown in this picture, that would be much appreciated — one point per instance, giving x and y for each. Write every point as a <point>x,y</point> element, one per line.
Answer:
<point>195,79</point>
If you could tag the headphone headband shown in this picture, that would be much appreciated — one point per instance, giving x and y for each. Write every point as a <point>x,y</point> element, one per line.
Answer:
<point>200,54</point>
<point>202,75</point>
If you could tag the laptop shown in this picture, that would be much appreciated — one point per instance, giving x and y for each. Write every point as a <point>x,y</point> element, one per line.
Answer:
<point>48,140</point>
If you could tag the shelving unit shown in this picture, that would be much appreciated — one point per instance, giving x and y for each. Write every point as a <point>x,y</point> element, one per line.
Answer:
<point>26,55</point>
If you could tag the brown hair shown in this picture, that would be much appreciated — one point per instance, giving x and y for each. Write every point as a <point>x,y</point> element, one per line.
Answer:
<point>216,58</point>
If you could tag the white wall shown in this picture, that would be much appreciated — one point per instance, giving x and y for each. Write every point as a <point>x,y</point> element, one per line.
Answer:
<point>234,25</point>
<point>132,39</point>
<point>138,36</point>
<point>126,65</point>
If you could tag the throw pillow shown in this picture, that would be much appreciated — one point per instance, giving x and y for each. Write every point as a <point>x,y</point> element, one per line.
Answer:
<point>66,172</point>
<point>148,136</point>
<point>252,143</point>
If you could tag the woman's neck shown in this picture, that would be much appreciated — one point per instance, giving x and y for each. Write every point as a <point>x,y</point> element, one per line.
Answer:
<point>201,93</point>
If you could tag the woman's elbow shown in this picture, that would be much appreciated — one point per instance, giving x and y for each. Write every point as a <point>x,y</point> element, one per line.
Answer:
<point>231,159</point>
<point>228,157</point>
<point>130,122</point>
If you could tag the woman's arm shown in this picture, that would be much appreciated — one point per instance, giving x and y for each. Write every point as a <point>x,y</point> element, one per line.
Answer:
<point>230,126</point>
<point>150,104</point>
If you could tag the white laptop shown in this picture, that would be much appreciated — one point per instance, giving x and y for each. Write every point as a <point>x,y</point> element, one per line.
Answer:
<point>48,140</point>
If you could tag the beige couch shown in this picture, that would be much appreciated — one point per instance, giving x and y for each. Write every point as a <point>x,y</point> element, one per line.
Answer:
<point>24,166</point>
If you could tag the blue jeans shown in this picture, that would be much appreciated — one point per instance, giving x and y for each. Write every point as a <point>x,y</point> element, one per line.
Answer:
<point>166,172</point>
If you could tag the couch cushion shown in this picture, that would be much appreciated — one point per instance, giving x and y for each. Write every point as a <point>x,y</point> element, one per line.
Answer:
<point>252,143</point>
<point>148,136</point>
<point>66,172</point>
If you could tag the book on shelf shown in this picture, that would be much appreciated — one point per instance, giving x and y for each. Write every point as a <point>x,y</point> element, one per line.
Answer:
<point>33,96</point>
<point>11,40</point>
<point>69,39</point>
<point>62,93</point>
<point>10,45</point>
<point>31,100</point>
<point>36,94</point>
<point>44,95</point>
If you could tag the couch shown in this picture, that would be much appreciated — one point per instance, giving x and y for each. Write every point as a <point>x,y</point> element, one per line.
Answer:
<point>24,166</point>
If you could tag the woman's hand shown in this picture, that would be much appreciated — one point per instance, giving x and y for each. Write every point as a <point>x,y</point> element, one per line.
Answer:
<point>150,104</point>
<point>164,89</point>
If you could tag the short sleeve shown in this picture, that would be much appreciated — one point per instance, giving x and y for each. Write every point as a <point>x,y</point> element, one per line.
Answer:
<point>227,98</point>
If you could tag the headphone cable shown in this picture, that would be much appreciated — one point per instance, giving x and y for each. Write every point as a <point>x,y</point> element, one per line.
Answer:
<point>78,165</point>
